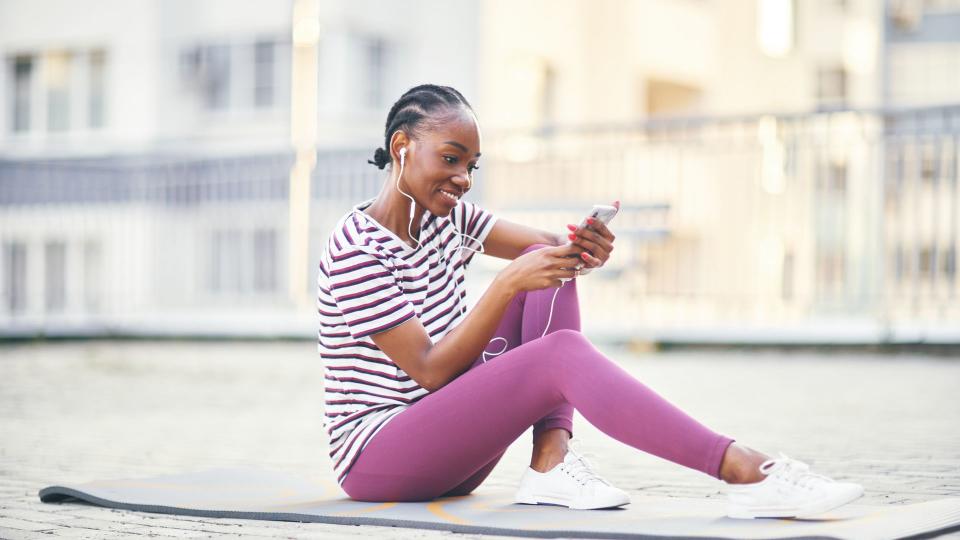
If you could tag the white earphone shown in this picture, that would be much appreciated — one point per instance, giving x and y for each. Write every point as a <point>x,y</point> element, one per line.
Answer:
<point>413,203</point>
<point>413,206</point>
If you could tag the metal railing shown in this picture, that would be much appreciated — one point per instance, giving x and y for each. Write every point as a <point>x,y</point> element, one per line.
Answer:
<point>835,226</point>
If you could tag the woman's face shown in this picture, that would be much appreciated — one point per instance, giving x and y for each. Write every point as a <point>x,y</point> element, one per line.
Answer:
<point>440,161</point>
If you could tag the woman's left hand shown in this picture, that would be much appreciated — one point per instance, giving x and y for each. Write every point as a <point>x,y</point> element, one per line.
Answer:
<point>595,242</point>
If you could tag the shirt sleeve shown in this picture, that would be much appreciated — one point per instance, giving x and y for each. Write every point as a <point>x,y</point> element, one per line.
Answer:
<point>476,223</point>
<point>366,292</point>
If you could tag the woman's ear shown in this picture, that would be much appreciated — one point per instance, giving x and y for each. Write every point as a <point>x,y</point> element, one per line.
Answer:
<point>398,141</point>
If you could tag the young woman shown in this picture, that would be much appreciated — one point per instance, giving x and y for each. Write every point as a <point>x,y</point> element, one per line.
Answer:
<point>416,408</point>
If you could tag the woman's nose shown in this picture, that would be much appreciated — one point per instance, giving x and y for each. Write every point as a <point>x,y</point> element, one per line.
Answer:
<point>462,180</point>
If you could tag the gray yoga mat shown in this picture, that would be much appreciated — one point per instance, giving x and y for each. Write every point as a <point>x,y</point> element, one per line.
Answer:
<point>258,494</point>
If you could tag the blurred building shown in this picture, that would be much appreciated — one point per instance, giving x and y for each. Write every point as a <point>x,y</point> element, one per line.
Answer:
<point>788,168</point>
<point>145,151</point>
<point>108,77</point>
<point>838,223</point>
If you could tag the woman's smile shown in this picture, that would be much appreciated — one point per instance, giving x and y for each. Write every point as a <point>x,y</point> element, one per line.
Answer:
<point>452,198</point>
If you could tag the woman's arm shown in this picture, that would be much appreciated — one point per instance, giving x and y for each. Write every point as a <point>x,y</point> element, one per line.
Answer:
<point>507,239</point>
<point>434,365</point>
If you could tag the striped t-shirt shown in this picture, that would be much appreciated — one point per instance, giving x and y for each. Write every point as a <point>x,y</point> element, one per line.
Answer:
<point>371,281</point>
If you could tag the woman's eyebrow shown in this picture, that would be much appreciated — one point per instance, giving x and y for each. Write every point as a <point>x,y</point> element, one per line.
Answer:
<point>458,145</point>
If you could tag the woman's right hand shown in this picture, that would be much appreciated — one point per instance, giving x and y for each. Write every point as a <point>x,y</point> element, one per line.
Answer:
<point>541,268</point>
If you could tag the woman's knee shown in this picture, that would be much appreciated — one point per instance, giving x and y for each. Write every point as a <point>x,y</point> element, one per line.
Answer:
<point>567,339</point>
<point>570,347</point>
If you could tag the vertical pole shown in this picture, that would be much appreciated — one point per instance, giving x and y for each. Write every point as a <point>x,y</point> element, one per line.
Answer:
<point>881,281</point>
<point>303,138</point>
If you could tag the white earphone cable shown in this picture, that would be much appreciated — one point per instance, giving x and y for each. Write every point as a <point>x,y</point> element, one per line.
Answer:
<point>460,248</point>
<point>464,235</point>
<point>413,203</point>
<point>506,344</point>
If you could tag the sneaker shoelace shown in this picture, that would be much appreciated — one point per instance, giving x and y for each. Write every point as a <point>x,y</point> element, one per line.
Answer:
<point>793,472</point>
<point>581,468</point>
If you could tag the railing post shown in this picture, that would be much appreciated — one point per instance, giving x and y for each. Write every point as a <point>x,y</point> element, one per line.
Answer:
<point>303,134</point>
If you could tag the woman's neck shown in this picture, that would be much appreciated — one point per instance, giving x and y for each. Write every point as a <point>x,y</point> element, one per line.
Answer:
<point>392,210</point>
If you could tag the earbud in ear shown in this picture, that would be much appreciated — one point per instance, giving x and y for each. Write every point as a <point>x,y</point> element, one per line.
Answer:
<point>403,152</point>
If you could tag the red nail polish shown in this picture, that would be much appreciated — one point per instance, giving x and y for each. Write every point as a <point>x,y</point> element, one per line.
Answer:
<point>590,220</point>
<point>572,236</point>
<point>583,255</point>
<point>572,227</point>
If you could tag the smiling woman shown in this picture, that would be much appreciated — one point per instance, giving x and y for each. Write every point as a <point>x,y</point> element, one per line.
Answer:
<point>413,408</point>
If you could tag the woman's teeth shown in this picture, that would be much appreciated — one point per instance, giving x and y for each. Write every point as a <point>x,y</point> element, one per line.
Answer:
<point>451,196</point>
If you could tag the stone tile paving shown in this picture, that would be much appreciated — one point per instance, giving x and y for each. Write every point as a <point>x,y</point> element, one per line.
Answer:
<point>74,412</point>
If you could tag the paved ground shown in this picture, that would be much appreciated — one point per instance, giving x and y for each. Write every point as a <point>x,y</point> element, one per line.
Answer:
<point>75,412</point>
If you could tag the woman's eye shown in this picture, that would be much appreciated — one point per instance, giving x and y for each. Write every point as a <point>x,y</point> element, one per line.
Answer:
<point>450,159</point>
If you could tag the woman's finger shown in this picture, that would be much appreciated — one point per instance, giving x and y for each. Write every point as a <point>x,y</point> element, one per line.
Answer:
<point>594,237</point>
<point>563,251</point>
<point>591,261</point>
<point>594,249</point>
<point>601,228</point>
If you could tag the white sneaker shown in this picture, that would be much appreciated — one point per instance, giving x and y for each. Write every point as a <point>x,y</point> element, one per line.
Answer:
<point>789,490</point>
<point>572,484</point>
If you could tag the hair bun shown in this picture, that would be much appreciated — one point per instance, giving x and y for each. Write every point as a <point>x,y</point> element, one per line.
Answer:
<point>380,158</point>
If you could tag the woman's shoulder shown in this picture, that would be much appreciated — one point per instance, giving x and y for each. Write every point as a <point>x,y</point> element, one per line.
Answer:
<point>353,235</point>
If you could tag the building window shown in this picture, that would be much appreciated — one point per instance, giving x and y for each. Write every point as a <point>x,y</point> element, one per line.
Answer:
<point>215,67</point>
<point>21,93</point>
<point>775,27</point>
<point>906,14</point>
<point>264,85</point>
<point>264,260</point>
<point>51,84</point>
<point>831,89</point>
<point>243,262</point>
<point>374,62</point>
<point>950,263</point>
<point>787,277</point>
<point>56,68</point>
<point>831,270</point>
<point>97,85</point>
<point>55,276</point>
<point>234,77</point>
<point>226,262</point>
<point>665,97</point>
<point>835,180</point>
<point>15,276</point>
<point>92,275</point>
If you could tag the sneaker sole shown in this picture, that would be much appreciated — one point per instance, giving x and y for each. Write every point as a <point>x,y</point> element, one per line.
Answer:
<point>795,513</point>
<point>549,501</point>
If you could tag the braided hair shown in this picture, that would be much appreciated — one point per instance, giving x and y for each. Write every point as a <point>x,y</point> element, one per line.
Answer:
<point>413,110</point>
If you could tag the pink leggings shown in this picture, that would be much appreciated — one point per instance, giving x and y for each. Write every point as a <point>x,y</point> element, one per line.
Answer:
<point>450,440</point>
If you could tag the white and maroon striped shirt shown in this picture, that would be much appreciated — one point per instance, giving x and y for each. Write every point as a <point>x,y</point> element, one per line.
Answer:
<point>371,281</point>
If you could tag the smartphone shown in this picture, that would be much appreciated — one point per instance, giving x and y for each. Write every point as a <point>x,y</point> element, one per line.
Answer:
<point>600,212</point>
